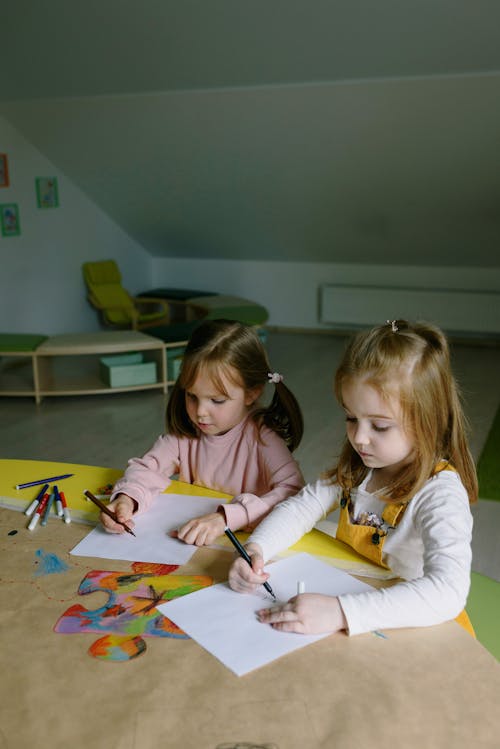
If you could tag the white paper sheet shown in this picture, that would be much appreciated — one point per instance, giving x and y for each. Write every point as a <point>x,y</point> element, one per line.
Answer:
<point>224,622</point>
<point>152,542</point>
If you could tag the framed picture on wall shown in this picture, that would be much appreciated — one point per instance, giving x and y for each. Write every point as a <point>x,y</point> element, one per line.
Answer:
<point>9,219</point>
<point>46,192</point>
<point>4,170</point>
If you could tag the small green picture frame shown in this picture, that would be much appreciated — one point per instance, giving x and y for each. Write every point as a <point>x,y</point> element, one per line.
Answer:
<point>47,194</point>
<point>9,218</point>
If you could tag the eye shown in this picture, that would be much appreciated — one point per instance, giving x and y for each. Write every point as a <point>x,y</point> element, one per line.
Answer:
<point>378,428</point>
<point>218,401</point>
<point>191,396</point>
<point>351,419</point>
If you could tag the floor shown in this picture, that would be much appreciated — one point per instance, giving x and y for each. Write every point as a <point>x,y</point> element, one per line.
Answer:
<point>107,430</point>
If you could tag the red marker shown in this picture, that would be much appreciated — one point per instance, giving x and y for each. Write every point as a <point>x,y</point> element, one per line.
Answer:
<point>67,516</point>
<point>39,510</point>
<point>31,509</point>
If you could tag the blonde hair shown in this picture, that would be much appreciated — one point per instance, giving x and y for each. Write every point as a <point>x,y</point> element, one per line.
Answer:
<point>412,362</point>
<point>225,349</point>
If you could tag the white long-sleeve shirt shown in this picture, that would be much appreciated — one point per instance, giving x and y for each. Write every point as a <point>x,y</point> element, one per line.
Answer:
<point>430,549</point>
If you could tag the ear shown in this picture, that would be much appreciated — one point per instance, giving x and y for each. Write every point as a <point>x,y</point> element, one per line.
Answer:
<point>254,394</point>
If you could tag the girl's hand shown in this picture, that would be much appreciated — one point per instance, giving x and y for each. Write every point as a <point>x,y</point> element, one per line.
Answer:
<point>246,579</point>
<point>202,531</point>
<point>307,613</point>
<point>124,507</point>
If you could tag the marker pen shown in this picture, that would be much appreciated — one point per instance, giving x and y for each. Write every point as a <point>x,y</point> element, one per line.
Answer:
<point>59,504</point>
<point>32,507</point>
<point>67,516</point>
<point>48,507</point>
<point>43,481</point>
<point>36,515</point>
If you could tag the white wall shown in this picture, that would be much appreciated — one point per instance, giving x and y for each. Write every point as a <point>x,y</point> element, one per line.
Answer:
<point>41,285</point>
<point>290,290</point>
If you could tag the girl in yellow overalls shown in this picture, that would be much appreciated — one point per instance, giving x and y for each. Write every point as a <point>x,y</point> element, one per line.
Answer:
<point>403,481</point>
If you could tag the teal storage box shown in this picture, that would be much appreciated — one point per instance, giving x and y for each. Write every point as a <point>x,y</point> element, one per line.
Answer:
<point>174,361</point>
<point>126,370</point>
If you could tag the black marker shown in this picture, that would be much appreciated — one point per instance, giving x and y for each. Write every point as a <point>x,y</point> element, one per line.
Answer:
<point>242,552</point>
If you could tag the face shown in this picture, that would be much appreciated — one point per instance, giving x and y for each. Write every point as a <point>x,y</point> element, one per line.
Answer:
<point>213,412</point>
<point>374,426</point>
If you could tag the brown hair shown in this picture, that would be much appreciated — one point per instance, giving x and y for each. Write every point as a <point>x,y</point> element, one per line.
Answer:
<point>224,348</point>
<point>411,361</point>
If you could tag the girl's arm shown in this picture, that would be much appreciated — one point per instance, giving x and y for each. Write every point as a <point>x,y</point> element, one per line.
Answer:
<point>205,529</point>
<point>294,517</point>
<point>283,479</point>
<point>444,523</point>
<point>150,475</point>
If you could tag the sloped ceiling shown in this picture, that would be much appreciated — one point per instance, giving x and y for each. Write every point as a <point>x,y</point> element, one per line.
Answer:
<point>320,131</point>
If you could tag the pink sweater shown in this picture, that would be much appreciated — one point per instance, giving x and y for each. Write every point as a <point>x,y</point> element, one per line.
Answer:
<point>258,473</point>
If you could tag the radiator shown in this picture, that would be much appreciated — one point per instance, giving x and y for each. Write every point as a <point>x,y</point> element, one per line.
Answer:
<point>455,310</point>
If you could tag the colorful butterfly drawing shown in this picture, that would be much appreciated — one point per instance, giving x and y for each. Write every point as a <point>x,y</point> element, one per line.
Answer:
<point>130,612</point>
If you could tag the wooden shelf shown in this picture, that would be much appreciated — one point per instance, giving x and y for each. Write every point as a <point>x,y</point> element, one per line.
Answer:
<point>69,364</point>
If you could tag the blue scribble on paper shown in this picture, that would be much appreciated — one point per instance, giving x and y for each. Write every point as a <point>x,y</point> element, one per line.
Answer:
<point>49,564</point>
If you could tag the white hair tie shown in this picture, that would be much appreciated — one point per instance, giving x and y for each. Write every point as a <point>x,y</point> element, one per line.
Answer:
<point>275,377</point>
<point>393,325</point>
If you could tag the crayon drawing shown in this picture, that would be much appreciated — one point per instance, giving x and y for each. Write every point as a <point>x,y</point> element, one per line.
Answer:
<point>130,612</point>
<point>49,564</point>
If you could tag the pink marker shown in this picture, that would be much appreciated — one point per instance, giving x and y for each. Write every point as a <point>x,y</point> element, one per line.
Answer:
<point>67,516</point>
<point>39,510</point>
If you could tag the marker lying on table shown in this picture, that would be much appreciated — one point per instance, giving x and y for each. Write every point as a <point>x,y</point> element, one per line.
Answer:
<point>32,507</point>
<point>242,552</point>
<point>107,511</point>
<point>66,515</point>
<point>44,481</point>
<point>36,515</point>
<point>59,504</point>
<point>48,508</point>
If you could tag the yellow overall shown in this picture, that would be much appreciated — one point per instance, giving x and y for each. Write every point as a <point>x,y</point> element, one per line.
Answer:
<point>369,540</point>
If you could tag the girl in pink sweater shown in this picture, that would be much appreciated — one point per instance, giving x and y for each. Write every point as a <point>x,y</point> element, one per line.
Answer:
<point>219,437</point>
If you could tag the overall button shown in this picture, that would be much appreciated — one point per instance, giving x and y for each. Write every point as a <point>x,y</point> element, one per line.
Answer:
<point>376,539</point>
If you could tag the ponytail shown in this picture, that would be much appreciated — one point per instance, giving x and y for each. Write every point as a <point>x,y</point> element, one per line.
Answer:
<point>283,415</point>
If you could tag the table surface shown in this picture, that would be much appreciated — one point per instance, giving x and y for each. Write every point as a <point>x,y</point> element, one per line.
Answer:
<point>429,687</point>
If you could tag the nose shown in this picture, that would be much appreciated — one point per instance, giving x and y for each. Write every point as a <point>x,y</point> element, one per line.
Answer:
<point>361,436</point>
<point>201,409</point>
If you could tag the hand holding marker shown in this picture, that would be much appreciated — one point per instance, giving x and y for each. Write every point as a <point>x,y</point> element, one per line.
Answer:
<point>243,553</point>
<point>107,511</point>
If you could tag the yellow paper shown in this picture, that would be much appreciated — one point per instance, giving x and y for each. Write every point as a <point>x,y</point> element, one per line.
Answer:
<point>13,472</point>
